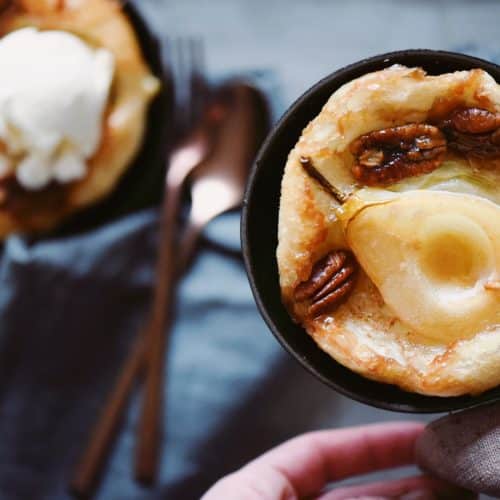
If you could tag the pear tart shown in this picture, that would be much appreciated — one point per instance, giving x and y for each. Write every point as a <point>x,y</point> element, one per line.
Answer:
<point>389,230</point>
<point>33,199</point>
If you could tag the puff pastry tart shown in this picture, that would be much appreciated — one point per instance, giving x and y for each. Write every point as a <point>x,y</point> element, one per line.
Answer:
<point>389,229</point>
<point>74,96</point>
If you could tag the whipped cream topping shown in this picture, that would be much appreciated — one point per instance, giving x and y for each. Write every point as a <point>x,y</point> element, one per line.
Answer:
<point>53,93</point>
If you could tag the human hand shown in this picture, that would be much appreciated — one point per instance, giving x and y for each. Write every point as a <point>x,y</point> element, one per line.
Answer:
<point>303,466</point>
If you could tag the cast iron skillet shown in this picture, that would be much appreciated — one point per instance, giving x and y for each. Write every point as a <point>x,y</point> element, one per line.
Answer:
<point>259,236</point>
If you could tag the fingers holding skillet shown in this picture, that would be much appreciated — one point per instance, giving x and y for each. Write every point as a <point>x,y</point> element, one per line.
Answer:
<point>302,467</point>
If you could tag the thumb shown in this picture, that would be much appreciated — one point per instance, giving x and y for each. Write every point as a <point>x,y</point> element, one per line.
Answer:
<point>463,449</point>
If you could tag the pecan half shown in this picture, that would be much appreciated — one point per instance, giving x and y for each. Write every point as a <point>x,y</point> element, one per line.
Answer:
<point>331,280</point>
<point>474,131</point>
<point>389,155</point>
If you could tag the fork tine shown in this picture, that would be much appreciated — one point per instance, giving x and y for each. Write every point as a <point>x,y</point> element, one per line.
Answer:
<point>199,57</point>
<point>190,89</point>
<point>198,82</point>
<point>184,64</point>
<point>176,61</point>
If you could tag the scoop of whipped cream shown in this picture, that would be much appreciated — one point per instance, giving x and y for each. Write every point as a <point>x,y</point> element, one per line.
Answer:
<point>53,93</point>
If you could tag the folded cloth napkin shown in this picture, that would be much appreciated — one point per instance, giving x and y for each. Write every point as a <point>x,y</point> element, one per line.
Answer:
<point>68,308</point>
<point>464,449</point>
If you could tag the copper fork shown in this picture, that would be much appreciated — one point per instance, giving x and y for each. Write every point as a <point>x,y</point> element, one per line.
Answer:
<point>186,156</point>
<point>195,118</point>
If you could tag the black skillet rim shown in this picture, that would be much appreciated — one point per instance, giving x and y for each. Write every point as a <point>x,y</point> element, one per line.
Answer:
<point>349,384</point>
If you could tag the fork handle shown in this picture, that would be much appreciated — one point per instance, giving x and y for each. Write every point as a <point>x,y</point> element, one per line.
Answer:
<point>188,244</point>
<point>149,431</point>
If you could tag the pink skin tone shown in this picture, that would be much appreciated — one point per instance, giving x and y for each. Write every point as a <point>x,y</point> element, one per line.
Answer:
<point>302,467</point>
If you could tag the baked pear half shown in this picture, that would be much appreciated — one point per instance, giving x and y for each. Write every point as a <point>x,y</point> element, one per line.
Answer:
<point>103,87</point>
<point>389,230</point>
